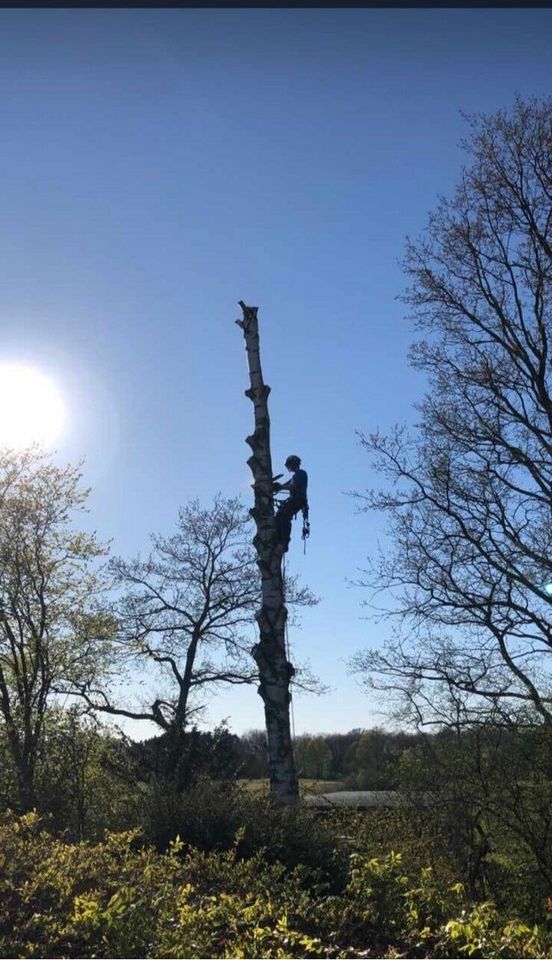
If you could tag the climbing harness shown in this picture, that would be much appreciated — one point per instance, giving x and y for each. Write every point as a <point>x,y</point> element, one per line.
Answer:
<point>305,532</point>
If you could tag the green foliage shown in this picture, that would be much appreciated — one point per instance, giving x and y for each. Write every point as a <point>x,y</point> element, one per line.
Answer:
<point>485,794</point>
<point>121,898</point>
<point>84,780</point>
<point>79,779</point>
<point>56,628</point>
<point>385,903</point>
<point>210,815</point>
<point>313,757</point>
<point>466,822</point>
<point>179,758</point>
<point>361,759</point>
<point>371,761</point>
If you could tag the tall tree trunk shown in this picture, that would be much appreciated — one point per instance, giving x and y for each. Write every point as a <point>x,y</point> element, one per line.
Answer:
<point>275,671</point>
<point>25,783</point>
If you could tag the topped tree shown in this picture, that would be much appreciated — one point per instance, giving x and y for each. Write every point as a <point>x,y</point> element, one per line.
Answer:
<point>275,671</point>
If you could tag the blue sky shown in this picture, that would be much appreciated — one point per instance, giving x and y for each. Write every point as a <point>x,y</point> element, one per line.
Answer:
<point>159,165</point>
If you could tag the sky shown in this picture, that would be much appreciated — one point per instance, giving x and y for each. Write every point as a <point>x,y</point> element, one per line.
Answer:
<point>159,165</point>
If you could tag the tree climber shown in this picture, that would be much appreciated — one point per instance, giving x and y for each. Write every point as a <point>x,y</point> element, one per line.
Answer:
<point>297,500</point>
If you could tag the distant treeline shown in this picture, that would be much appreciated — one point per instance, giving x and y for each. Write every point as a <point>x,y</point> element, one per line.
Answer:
<point>362,759</point>
<point>86,770</point>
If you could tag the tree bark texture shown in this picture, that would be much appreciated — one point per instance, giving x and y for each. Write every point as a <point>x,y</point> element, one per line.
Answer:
<point>275,671</point>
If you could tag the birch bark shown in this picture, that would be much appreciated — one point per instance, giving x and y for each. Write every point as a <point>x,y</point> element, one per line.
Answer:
<point>275,671</point>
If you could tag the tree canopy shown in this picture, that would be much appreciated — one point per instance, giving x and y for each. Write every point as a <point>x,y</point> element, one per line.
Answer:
<point>186,609</point>
<point>469,490</point>
<point>55,629</point>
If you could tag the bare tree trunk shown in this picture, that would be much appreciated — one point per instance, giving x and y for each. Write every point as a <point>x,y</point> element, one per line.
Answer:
<point>275,671</point>
<point>25,773</point>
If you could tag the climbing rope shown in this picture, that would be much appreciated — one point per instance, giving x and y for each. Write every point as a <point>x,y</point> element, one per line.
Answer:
<point>288,656</point>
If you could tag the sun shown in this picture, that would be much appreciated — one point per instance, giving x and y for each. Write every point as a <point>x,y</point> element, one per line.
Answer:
<point>31,407</point>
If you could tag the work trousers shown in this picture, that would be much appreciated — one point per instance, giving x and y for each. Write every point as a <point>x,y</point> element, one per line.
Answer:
<point>284,515</point>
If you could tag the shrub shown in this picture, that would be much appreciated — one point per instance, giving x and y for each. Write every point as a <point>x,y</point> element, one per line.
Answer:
<point>383,904</point>
<point>115,899</point>
<point>121,898</point>
<point>209,816</point>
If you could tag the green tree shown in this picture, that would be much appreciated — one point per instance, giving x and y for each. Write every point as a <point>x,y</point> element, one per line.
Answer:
<point>253,762</point>
<point>369,761</point>
<point>86,779</point>
<point>55,631</point>
<point>485,791</point>
<point>313,758</point>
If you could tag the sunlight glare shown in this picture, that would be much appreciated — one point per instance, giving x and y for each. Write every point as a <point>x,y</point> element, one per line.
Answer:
<point>31,407</point>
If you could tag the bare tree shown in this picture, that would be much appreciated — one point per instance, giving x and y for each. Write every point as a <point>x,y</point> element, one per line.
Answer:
<point>54,629</point>
<point>187,610</point>
<point>469,492</point>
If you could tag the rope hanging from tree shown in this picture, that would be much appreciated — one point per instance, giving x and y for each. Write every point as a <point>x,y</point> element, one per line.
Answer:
<point>288,655</point>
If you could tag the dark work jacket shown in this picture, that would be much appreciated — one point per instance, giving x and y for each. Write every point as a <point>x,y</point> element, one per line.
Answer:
<point>299,483</point>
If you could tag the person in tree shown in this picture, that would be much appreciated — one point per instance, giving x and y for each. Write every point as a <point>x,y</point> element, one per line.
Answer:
<point>297,500</point>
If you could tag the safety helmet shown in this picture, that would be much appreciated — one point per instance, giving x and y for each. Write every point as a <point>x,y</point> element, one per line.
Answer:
<point>293,461</point>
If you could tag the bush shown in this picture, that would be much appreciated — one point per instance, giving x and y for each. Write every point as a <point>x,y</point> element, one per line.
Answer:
<point>386,905</point>
<point>121,898</point>
<point>115,899</point>
<point>209,816</point>
<point>84,779</point>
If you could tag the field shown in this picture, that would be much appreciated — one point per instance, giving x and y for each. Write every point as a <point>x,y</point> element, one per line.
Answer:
<point>306,787</point>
